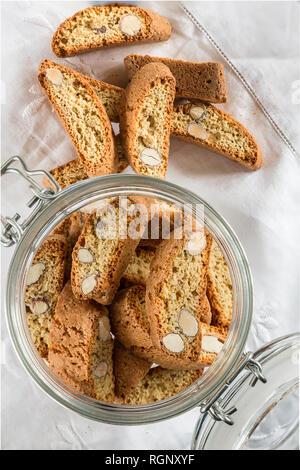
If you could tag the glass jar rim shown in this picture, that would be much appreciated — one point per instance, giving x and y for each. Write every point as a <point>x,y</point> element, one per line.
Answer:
<point>70,200</point>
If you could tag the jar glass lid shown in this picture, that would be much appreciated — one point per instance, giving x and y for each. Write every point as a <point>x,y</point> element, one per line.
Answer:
<point>264,415</point>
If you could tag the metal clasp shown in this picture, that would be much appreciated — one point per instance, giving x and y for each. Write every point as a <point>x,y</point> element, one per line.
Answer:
<point>212,405</point>
<point>13,228</point>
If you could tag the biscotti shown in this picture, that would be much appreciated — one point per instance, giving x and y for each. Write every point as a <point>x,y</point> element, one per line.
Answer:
<point>204,81</point>
<point>129,370</point>
<point>138,269</point>
<point>74,171</point>
<point>81,346</point>
<point>82,115</point>
<point>219,287</point>
<point>107,26</point>
<point>103,252</point>
<point>160,384</point>
<point>174,292</point>
<point>43,284</point>
<point>145,119</point>
<point>209,127</point>
<point>131,326</point>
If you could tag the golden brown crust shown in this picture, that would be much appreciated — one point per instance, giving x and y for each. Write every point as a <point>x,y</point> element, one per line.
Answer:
<point>129,370</point>
<point>106,162</point>
<point>204,81</point>
<point>253,159</point>
<point>154,28</point>
<point>72,333</point>
<point>147,79</point>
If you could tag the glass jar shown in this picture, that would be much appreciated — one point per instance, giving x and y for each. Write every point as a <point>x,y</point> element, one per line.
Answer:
<point>49,209</point>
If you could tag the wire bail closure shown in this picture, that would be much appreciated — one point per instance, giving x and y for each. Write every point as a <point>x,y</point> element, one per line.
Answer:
<point>12,229</point>
<point>213,406</point>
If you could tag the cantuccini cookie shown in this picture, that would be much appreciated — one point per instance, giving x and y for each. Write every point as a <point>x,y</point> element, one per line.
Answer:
<point>219,287</point>
<point>204,81</point>
<point>74,171</point>
<point>43,284</point>
<point>82,115</point>
<point>145,119</point>
<point>160,384</point>
<point>108,25</point>
<point>174,293</point>
<point>209,127</point>
<point>129,370</point>
<point>104,249</point>
<point>131,326</point>
<point>81,346</point>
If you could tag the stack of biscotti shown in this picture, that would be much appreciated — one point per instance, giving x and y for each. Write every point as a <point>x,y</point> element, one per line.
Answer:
<point>81,346</point>
<point>129,308</point>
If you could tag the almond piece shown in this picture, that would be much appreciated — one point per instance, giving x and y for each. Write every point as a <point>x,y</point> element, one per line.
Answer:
<point>196,243</point>
<point>187,323</point>
<point>104,329</point>
<point>34,273</point>
<point>211,344</point>
<point>196,112</point>
<point>55,76</point>
<point>84,256</point>
<point>130,24</point>
<point>197,131</point>
<point>173,342</point>
<point>39,306</point>
<point>100,369</point>
<point>100,229</point>
<point>150,157</point>
<point>89,283</point>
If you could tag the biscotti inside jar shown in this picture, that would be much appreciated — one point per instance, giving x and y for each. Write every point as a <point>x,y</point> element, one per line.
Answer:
<point>144,308</point>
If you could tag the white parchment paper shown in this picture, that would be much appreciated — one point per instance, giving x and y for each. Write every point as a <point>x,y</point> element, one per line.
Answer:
<point>262,207</point>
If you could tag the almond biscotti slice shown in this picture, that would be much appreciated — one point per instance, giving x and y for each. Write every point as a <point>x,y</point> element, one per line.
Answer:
<point>138,269</point>
<point>204,81</point>
<point>108,25</point>
<point>103,251</point>
<point>129,370</point>
<point>43,284</point>
<point>130,325</point>
<point>145,119</point>
<point>82,115</point>
<point>219,287</point>
<point>209,127</point>
<point>174,292</point>
<point>160,384</point>
<point>81,346</point>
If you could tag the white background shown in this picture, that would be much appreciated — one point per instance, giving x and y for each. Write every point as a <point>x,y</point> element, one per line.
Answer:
<point>261,38</point>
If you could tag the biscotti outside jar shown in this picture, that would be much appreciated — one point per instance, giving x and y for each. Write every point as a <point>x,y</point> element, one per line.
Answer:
<point>235,395</point>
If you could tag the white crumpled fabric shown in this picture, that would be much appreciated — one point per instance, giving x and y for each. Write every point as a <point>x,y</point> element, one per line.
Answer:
<point>260,38</point>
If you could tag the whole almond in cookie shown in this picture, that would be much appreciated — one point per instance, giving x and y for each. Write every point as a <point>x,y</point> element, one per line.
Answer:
<point>34,273</point>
